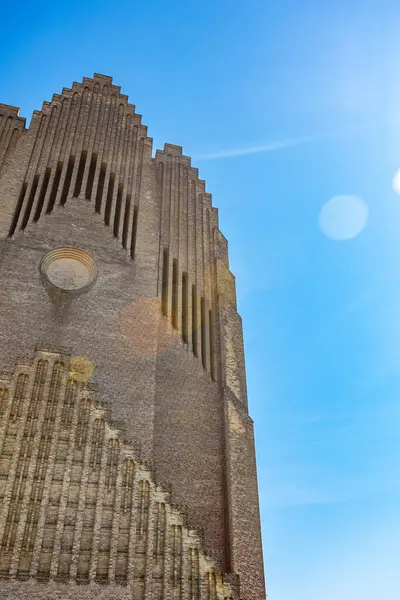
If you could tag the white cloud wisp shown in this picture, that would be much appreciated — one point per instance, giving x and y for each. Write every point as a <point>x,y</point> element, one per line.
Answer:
<point>292,142</point>
<point>270,147</point>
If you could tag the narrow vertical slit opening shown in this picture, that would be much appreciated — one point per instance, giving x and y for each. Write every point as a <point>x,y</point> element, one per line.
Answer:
<point>203,333</point>
<point>100,187</point>
<point>81,170</point>
<point>211,330</point>
<point>164,291</point>
<point>134,231</point>
<point>194,320</point>
<point>43,190</point>
<point>185,307</point>
<point>92,170</point>
<point>29,204</point>
<point>67,180</point>
<point>126,221</point>
<point>110,193</point>
<point>175,293</point>
<point>54,187</point>
<point>117,216</point>
<point>18,208</point>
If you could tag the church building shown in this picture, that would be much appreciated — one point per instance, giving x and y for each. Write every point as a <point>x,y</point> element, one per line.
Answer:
<point>127,462</point>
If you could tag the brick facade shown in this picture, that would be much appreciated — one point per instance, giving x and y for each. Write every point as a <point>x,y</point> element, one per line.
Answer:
<point>157,335</point>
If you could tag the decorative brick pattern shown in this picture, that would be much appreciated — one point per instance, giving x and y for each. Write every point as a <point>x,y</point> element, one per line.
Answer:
<point>65,473</point>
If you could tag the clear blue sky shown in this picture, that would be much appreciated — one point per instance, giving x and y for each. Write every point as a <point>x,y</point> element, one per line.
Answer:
<point>313,89</point>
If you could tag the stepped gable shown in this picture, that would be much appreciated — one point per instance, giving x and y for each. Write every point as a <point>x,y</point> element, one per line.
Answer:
<point>189,223</point>
<point>12,127</point>
<point>87,143</point>
<point>78,505</point>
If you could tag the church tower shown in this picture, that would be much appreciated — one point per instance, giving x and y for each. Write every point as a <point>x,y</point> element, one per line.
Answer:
<point>127,465</point>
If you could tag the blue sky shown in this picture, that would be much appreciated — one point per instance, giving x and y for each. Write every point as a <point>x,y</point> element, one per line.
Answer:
<point>282,106</point>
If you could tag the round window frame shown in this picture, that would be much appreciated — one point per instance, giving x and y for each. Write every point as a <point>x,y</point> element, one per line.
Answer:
<point>73,254</point>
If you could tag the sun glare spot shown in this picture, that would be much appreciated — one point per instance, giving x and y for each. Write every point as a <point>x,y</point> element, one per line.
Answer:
<point>343,217</point>
<point>396,182</point>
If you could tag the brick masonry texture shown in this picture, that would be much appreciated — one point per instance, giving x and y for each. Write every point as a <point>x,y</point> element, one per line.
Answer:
<point>154,348</point>
<point>77,503</point>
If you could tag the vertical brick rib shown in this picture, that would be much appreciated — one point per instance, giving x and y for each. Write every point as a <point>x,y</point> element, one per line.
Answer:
<point>108,151</point>
<point>100,140</point>
<point>184,241</point>
<point>119,155</point>
<point>49,475</point>
<point>80,133</point>
<point>138,181</point>
<point>25,391</point>
<point>169,225</point>
<point>11,128</point>
<point>213,293</point>
<point>32,182</point>
<point>6,124</point>
<point>133,527</point>
<point>98,512</point>
<point>167,585</point>
<point>185,566</point>
<point>54,566</point>
<point>180,236</point>
<point>159,191</point>
<point>81,504</point>
<point>199,265</point>
<point>90,135</point>
<point>115,520</point>
<point>191,236</point>
<point>124,177</point>
<point>48,144</point>
<point>66,149</point>
<point>42,388</point>
<point>149,548</point>
<point>54,158</point>
<point>131,186</point>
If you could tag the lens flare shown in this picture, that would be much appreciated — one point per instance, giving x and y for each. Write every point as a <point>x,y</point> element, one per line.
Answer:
<point>343,217</point>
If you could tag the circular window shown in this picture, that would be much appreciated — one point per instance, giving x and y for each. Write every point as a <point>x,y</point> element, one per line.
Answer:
<point>68,269</point>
